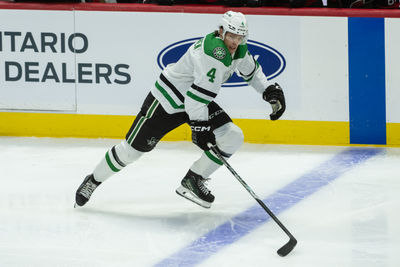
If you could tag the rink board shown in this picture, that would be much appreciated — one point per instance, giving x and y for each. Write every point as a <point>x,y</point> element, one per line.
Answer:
<point>116,126</point>
<point>71,79</point>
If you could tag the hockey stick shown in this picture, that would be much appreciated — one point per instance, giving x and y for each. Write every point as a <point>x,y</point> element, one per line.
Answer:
<point>289,246</point>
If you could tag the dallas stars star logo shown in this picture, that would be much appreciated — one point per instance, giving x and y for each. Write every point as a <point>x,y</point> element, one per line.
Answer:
<point>152,141</point>
<point>219,53</point>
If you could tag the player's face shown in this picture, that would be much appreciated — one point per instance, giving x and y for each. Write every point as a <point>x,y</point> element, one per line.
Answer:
<point>232,41</point>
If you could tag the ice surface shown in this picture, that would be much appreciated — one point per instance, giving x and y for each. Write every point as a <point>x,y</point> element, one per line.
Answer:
<point>136,219</point>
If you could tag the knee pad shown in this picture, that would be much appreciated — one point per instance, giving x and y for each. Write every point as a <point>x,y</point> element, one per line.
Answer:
<point>229,138</point>
<point>126,153</point>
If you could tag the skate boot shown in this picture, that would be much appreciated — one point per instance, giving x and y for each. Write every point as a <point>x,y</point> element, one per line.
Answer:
<point>193,188</point>
<point>85,190</point>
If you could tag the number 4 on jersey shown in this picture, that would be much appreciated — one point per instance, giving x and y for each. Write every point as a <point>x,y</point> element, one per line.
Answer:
<point>211,74</point>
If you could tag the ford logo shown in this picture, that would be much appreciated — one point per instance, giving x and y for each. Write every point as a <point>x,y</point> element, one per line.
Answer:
<point>271,61</point>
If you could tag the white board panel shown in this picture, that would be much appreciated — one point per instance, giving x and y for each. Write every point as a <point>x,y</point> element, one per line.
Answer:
<point>36,62</point>
<point>392,45</point>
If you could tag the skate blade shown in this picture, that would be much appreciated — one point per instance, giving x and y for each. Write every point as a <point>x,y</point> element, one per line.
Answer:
<point>183,192</point>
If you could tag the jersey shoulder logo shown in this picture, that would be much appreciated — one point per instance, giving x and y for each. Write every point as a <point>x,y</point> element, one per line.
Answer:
<point>219,53</point>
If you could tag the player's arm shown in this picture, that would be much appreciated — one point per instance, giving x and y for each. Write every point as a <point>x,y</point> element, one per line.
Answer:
<point>251,71</point>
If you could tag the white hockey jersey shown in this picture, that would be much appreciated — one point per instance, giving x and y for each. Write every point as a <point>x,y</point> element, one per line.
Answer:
<point>195,80</point>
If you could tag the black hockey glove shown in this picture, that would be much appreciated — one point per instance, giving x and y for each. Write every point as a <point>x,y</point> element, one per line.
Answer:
<point>274,95</point>
<point>202,133</point>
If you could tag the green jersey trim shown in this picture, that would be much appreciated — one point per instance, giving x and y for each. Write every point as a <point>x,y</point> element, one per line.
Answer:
<point>168,97</point>
<point>216,48</point>
<point>241,51</point>
<point>197,98</point>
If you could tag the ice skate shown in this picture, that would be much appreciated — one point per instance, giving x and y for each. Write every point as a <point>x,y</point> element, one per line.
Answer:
<point>85,190</point>
<point>193,188</point>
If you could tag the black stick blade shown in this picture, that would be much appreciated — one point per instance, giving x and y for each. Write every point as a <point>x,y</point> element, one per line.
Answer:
<point>287,248</point>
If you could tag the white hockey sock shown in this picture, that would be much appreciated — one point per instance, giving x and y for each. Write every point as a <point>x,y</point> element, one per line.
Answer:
<point>116,159</point>
<point>204,166</point>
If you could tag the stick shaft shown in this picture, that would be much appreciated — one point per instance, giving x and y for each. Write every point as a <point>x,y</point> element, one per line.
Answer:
<point>245,185</point>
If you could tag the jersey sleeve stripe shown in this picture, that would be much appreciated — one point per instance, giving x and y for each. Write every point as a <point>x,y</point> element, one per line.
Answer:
<point>248,78</point>
<point>197,98</point>
<point>204,91</point>
<point>172,87</point>
<point>168,97</point>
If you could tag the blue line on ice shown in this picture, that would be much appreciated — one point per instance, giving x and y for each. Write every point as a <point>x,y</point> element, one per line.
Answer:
<point>240,225</point>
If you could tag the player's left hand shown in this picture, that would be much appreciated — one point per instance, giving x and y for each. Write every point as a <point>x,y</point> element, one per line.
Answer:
<point>274,95</point>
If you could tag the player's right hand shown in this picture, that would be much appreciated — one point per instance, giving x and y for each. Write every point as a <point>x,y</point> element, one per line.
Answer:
<point>202,133</point>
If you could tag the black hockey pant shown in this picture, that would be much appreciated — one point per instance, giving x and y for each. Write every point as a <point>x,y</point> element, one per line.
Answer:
<point>153,122</point>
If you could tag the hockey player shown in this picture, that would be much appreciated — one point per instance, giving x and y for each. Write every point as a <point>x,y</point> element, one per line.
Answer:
<point>184,93</point>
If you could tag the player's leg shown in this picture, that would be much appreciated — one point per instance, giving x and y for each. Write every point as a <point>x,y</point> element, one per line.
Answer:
<point>229,138</point>
<point>150,125</point>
